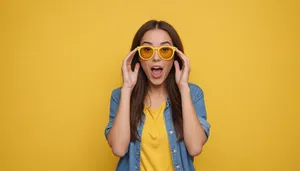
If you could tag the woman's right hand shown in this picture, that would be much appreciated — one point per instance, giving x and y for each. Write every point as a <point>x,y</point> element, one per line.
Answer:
<point>129,76</point>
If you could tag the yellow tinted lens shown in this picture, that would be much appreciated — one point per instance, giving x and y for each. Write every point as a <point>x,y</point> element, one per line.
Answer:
<point>146,52</point>
<point>166,52</point>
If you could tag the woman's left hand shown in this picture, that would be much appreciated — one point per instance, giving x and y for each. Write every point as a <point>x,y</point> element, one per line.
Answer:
<point>182,75</point>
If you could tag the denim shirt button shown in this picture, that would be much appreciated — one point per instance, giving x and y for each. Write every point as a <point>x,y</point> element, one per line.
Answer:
<point>174,151</point>
<point>137,153</point>
<point>177,166</point>
<point>171,132</point>
<point>136,167</point>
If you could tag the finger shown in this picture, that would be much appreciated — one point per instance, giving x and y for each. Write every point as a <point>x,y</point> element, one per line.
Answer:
<point>185,59</point>
<point>186,66</point>
<point>177,67</point>
<point>128,59</point>
<point>130,56</point>
<point>182,56</point>
<point>124,73</point>
<point>186,73</point>
<point>136,68</point>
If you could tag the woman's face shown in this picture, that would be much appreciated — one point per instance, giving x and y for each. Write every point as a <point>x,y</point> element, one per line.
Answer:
<point>156,69</point>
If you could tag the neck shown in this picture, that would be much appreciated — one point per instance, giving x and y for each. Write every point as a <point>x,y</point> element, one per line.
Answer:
<point>155,95</point>
<point>157,90</point>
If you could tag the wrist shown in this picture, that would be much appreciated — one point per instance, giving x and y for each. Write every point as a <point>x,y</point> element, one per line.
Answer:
<point>125,89</point>
<point>184,88</point>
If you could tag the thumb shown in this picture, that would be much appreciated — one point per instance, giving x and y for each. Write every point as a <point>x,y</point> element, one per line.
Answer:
<point>137,67</point>
<point>177,67</point>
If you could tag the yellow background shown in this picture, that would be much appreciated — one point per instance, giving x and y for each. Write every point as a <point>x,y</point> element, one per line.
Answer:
<point>60,60</point>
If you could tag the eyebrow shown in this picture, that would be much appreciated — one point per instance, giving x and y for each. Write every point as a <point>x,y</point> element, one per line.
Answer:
<point>165,42</point>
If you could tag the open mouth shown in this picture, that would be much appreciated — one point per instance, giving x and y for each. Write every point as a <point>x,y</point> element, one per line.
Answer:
<point>156,71</point>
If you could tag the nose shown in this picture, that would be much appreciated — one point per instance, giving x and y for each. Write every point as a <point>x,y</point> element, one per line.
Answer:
<point>156,57</point>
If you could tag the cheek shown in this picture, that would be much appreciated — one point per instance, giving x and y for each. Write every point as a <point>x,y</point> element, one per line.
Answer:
<point>169,65</point>
<point>144,64</point>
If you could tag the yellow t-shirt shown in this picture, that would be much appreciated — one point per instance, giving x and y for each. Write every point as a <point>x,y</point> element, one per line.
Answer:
<point>155,148</point>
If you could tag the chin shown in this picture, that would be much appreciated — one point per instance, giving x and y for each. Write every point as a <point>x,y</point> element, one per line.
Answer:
<point>157,82</point>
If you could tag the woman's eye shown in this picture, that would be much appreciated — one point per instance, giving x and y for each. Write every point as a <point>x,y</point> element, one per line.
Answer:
<point>165,49</point>
<point>147,49</point>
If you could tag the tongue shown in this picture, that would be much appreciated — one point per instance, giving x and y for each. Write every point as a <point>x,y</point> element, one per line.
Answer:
<point>156,73</point>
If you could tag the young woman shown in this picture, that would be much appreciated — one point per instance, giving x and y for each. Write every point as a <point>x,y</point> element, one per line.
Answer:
<point>157,119</point>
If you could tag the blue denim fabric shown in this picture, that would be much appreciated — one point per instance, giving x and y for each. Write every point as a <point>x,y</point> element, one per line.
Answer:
<point>182,161</point>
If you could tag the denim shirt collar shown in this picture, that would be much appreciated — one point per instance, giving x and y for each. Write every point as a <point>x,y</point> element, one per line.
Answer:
<point>168,102</point>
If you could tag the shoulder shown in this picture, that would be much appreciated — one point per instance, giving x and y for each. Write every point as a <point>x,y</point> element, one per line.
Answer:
<point>195,88</point>
<point>195,91</point>
<point>115,94</point>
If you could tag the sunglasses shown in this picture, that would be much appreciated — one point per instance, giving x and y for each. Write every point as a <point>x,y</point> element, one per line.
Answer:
<point>164,52</point>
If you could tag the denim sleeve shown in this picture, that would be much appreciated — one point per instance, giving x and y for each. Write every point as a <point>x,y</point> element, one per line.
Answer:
<point>199,105</point>
<point>114,105</point>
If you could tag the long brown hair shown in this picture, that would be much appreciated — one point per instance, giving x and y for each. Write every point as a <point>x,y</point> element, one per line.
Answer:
<point>140,90</point>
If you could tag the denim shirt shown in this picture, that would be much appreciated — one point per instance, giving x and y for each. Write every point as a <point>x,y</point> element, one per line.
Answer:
<point>182,161</point>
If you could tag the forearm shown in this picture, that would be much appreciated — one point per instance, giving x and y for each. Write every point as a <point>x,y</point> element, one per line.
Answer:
<point>194,135</point>
<point>119,135</point>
